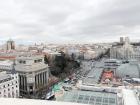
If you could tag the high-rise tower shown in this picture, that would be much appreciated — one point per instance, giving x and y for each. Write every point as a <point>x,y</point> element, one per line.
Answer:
<point>10,45</point>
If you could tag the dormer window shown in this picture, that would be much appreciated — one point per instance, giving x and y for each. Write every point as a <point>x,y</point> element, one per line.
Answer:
<point>39,60</point>
<point>22,62</point>
<point>35,61</point>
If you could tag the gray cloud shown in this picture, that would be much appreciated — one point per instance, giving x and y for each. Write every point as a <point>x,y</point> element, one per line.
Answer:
<point>62,21</point>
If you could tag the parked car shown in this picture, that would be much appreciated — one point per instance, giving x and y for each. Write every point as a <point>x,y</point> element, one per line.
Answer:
<point>67,80</point>
<point>50,95</point>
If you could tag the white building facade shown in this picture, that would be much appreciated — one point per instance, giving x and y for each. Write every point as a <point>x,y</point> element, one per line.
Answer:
<point>9,85</point>
<point>125,51</point>
<point>33,74</point>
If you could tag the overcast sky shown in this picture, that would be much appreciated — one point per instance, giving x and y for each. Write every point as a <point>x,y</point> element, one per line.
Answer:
<point>69,21</point>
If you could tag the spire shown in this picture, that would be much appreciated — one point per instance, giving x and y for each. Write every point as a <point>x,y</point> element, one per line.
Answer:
<point>10,40</point>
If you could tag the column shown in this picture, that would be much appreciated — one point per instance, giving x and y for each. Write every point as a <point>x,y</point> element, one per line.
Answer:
<point>38,80</point>
<point>35,81</point>
<point>42,79</point>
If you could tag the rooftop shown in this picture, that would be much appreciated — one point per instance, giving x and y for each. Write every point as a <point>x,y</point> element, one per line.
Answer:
<point>90,97</point>
<point>30,56</point>
<point>6,62</point>
<point>4,77</point>
<point>31,68</point>
<point>131,69</point>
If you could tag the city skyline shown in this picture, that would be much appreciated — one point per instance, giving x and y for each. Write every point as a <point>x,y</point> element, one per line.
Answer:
<point>69,22</point>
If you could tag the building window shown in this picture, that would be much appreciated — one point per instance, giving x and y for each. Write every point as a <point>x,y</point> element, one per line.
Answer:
<point>8,89</point>
<point>127,76</point>
<point>16,86</point>
<point>31,87</point>
<point>8,85</point>
<point>40,60</point>
<point>13,94</point>
<point>12,87</point>
<point>9,95</point>
<point>20,61</point>
<point>3,86</point>
<point>24,62</point>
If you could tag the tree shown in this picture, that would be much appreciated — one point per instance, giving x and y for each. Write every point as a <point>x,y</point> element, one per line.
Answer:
<point>46,59</point>
<point>73,56</point>
<point>60,62</point>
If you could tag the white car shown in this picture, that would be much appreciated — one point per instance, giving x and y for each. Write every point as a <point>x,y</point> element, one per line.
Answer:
<point>49,95</point>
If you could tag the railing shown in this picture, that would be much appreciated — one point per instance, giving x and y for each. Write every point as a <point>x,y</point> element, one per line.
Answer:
<point>5,80</point>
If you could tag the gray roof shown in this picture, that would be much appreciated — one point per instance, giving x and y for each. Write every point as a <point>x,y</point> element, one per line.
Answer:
<point>90,97</point>
<point>93,77</point>
<point>4,77</point>
<point>31,68</point>
<point>133,70</point>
